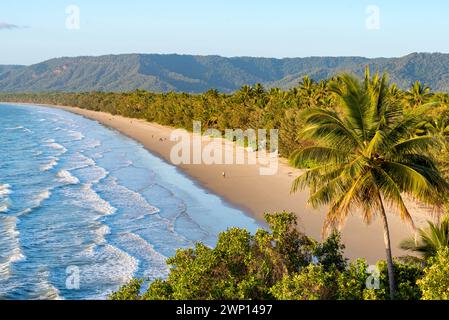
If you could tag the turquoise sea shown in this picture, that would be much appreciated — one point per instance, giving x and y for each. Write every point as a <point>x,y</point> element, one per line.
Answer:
<point>80,199</point>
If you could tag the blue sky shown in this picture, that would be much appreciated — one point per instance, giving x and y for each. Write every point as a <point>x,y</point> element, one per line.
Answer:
<point>32,31</point>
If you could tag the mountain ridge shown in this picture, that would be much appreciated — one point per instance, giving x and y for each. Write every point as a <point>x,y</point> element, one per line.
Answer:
<point>199,73</point>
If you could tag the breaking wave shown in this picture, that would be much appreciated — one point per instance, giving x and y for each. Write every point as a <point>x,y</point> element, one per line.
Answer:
<point>67,178</point>
<point>48,166</point>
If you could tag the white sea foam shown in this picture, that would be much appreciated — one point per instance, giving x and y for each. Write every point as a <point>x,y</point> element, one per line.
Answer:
<point>128,163</point>
<point>129,198</point>
<point>25,212</point>
<point>97,155</point>
<point>92,174</point>
<point>11,251</point>
<point>59,147</point>
<point>93,144</point>
<point>110,265</point>
<point>20,128</point>
<point>15,128</point>
<point>76,135</point>
<point>5,189</point>
<point>45,290</point>
<point>86,197</point>
<point>51,143</point>
<point>92,198</point>
<point>101,233</point>
<point>53,163</point>
<point>79,161</point>
<point>41,197</point>
<point>138,247</point>
<point>4,205</point>
<point>102,174</point>
<point>66,177</point>
<point>89,161</point>
<point>134,208</point>
<point>5,266</point>
<point>37,201</point>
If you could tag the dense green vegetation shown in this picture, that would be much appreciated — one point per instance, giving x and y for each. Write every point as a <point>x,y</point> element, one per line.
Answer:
<point>285,264</point>
<point>435,283</point>
<point>197,74</point>
<point>366,144</point>
<point>430,240</point>
<point>367,155</point>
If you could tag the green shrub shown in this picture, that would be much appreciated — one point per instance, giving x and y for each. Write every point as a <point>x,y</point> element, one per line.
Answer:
<point>435,282</point>
<point>130,291</point>
<point>312,283</point>
<point>406,275</point>
<point>352,282</point>
<point>281,264</point>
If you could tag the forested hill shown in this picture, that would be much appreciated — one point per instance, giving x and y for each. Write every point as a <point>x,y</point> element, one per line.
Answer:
<point>187,73</point>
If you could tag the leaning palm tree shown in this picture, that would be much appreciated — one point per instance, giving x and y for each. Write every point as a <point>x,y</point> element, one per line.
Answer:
<point>366,157</point>
<point>431,239</point>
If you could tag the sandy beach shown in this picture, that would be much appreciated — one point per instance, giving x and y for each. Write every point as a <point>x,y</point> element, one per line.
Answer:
<point>245,188</point>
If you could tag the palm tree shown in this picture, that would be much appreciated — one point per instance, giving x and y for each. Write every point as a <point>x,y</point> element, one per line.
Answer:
<point>418,95</point>
<point>308,90</point>
<point>246,92</point>
<point>395,92</point>
<point>260,95</point>
<point>438,127</point>
<point>367,157</point>
<point>258,89</point>
<point>432,239</point>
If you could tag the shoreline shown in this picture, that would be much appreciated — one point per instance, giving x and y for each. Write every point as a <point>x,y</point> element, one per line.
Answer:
<point>254,194</point>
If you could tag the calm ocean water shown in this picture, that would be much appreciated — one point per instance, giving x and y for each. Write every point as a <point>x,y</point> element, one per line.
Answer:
<point>76,194</point>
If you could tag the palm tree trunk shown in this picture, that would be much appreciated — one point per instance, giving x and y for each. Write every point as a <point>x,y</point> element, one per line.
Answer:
<point>387,241</point>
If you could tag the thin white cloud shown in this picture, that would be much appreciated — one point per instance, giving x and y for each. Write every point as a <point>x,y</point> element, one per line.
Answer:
<point>9,26</point>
